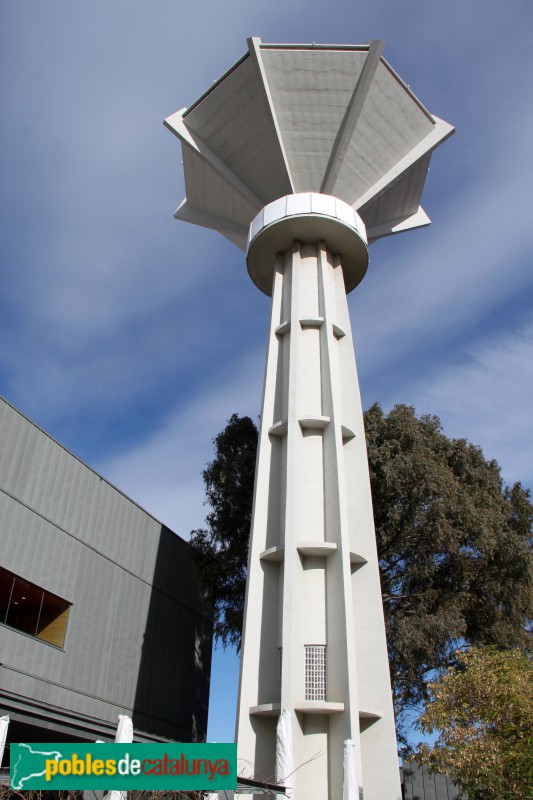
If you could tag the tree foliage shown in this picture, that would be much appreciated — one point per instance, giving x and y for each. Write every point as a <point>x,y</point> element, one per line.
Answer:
<point>453,542</point>
<point>221,550</point>
<point>483,710</point>
<point>453,545</point>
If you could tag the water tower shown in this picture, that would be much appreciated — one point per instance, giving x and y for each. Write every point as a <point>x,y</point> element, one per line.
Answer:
<point>302,155</point>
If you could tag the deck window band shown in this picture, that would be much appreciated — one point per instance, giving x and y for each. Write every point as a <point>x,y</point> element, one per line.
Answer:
<point>30,609</point>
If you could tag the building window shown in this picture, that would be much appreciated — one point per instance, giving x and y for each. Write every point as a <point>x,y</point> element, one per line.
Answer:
<point>30,609</point>
<point>315,671</point>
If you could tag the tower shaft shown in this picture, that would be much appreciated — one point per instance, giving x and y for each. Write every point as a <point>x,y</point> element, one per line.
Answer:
<point>314,637</point>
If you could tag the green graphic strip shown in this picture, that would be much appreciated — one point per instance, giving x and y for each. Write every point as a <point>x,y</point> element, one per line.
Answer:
<point>123,766</point>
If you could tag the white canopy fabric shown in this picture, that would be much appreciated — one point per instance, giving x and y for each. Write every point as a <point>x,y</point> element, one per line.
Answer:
<point>124,735</point>
<point>350,789</point>
<point>124,730</point>
<point>4,724</point>
<point>285,753</point>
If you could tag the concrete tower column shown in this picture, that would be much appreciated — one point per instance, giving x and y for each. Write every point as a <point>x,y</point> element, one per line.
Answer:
<point>314,637</point>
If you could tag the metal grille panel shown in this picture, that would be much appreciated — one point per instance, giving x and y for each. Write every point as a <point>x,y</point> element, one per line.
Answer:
<point>315,671</point>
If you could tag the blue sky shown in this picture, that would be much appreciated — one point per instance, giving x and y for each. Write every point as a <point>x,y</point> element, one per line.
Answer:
<point>131,338</point>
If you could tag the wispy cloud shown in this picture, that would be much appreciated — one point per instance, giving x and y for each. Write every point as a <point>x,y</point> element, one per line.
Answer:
<point>487,400</point>
<point>436,290</point>
<point>164,473</point>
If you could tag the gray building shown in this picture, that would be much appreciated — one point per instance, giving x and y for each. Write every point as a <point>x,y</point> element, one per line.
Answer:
<point>100,613</point>
<point>420,784</point>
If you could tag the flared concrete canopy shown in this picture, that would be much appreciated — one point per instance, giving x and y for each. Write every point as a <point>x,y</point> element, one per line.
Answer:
<point>334,119</point>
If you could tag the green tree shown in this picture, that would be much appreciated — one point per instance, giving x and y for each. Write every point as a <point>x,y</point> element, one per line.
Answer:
<point>453,543</point>
<point>221,550</point>
<point>483,710</point>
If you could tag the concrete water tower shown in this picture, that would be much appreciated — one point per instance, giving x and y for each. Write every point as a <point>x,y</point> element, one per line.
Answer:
<point>301,155</point>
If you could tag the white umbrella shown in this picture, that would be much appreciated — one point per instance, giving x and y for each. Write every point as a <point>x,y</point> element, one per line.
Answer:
<point>350,789</point>
<point>4,724</point>
<point>285,753</point>
<point>124,730</point>
<point>124,735</point>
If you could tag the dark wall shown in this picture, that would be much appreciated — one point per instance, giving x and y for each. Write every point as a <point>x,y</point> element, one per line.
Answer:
<point>173,684</point>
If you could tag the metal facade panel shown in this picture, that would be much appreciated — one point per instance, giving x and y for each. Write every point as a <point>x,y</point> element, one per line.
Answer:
<point>34,548</point>
<point>15,437</point>
<point>45,477</point>
<point>135,624</point>
<point>420,784</point>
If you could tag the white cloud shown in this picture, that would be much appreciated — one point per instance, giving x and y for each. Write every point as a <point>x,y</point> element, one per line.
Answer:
<point>487,400</point>
<point>436,283</point>
<point>164,473</point>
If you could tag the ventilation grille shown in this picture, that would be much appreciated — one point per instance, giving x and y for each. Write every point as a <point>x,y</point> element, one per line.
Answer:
<point>315,671</point>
